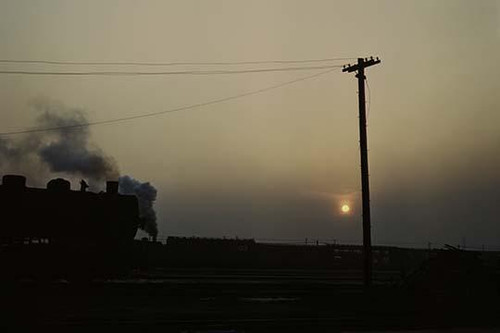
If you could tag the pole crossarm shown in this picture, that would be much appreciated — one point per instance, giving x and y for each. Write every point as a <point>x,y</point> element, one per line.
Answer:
<point>366,62</point>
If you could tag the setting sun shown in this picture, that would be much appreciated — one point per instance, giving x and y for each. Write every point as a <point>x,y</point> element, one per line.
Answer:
<point>345,209</point>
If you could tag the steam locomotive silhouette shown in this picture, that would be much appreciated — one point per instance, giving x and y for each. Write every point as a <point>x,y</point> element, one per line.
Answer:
<point>59,215</point>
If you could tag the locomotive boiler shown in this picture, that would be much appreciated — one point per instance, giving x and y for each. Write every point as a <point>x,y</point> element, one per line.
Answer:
<point>58,215</point>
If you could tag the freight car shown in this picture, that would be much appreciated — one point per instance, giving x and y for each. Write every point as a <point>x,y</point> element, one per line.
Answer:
<point>59,215</point>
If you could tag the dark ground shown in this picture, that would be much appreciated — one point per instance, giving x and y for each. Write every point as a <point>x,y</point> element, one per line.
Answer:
<point>449,289</point>
<point>235,301</point>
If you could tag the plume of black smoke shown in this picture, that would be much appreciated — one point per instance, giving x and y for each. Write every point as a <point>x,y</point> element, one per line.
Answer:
<point>20,156</point>
<point>61,150</point>
<point>68,150</point>
<point>146,195</point>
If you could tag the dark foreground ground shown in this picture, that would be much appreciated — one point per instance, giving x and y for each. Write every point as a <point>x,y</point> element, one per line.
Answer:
<point>238,300</point>
<point>244,287</point>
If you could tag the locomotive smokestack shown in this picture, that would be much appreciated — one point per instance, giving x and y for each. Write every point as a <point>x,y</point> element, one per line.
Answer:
<point>14,182</point>
<point>112,187</point>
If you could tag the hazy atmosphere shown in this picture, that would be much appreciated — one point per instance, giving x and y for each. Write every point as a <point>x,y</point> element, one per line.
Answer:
<point>279,163</point>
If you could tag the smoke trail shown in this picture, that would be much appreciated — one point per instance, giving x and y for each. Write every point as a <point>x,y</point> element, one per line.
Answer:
<point>66,151</point>
<point>69,150</point>
<point>146,195</point>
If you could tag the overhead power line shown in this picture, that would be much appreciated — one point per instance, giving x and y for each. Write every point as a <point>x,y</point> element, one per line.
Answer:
<point>138,63</point>
<point>193,72</point>
<point>153,114</point>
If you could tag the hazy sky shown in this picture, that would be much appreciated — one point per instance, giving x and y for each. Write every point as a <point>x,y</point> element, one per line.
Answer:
<point>279,164</point>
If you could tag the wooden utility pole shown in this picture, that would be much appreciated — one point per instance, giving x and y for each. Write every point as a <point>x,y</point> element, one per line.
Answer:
<point>363,143</point>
